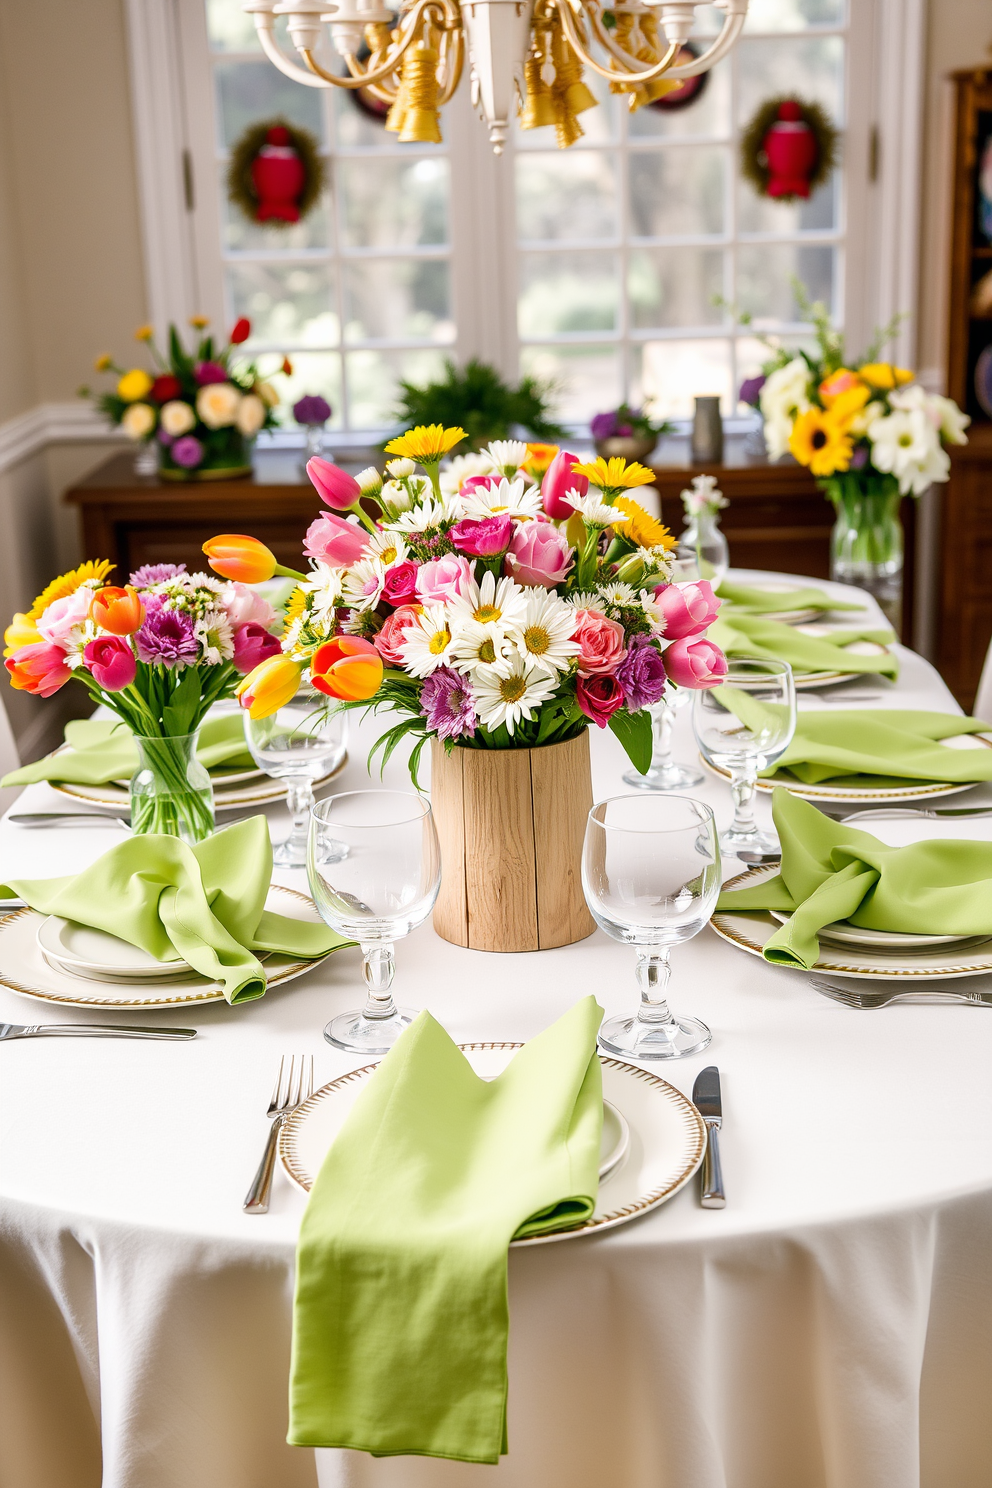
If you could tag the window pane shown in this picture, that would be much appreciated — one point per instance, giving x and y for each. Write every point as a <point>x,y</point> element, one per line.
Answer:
<point>564,197</point>
<point>286,303</point>
<point>764,214</point>
<point>229,29</point>
<point>598,124</point>
<point>793,15</point>
<point>392,299</point>
<point>561,292</point>
<point>239,231</point>
<point>373,380</point>
<point>765,276</point>
<point>585,379</point>
<point>708,114</point>
<point>812,67</point>
<point>677,191</point>
<point>250,91</point>
<point>675,286</point>
<point>313,372</point>
<point>393,203</point>
<point>668,375</point>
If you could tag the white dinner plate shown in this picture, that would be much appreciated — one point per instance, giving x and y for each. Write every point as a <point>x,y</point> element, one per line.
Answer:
<point>220,775</point>
<point>751,930</point>
<point>227,797</point>
<point>667,1136</point>
<point>24,967</point>
<point>844,934</point>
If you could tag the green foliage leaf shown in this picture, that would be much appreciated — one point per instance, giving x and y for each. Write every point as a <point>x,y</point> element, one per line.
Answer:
<point>634,732</point>
<point>180,711</point>
<point>478,400</point>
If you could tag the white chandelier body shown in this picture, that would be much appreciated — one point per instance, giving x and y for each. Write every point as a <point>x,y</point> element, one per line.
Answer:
<point>525,56</point>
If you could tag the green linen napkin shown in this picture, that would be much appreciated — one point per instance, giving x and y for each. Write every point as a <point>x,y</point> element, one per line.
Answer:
<point>401,1318</point>
<point>772,601</point>
<point>834,872</point>
<point>883,744</point>
<point>102,750</point>
<point>204,904</point>
<point>769,640</point>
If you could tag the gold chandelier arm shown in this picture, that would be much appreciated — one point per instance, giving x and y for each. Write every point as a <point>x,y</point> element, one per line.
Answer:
<point>627,76</point>
<point>453,40</point>
<point>629,63</point>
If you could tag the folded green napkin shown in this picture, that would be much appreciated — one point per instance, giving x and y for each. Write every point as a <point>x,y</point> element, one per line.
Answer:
<point>885,744</point>
<point>102,749</point>
<point>834,872</point>
<point>204,904</point>
<point>401,1320</point>
<point>769,640</point>
<point>772,601</point>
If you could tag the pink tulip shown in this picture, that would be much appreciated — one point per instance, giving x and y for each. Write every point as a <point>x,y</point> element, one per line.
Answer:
<point>111,661</point>
<point>558,481</point>
<point>39,668</point>
<point>443,579</point>
<point>484,538</point>
<point>539,554</point>
<point>62,616</point>
<point>399,587</point>
<point>334,486</point>
<point>253,644</point>
<point>390,638</point>
<point>687,608</point>
<point>334,541</point>
<point>695,664</point>
<point>245,606</point>
<point>599,698</point>
<point>600,641</point>
<point>478,483</point>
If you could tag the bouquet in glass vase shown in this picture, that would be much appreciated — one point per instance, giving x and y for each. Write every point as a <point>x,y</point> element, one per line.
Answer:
<point>158,652</point>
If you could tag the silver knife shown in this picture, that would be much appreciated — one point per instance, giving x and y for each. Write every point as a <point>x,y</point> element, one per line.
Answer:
<point>50,818</point>
<point>708,1102</point>
<point>91,1030</point>
<point>896,813</point>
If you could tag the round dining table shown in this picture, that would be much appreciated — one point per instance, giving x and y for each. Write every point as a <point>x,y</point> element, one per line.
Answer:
<point>831,1327</point>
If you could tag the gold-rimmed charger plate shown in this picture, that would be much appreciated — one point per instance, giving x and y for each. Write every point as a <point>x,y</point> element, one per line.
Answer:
<point>751,930</point>
<point>226,797</point>
<point>667,1136</point>
<point>865,795</point>
<point>24,969</point>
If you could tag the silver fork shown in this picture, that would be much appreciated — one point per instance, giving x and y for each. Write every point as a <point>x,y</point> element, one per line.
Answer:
<point>293,1087</point>
<point>854,998</point>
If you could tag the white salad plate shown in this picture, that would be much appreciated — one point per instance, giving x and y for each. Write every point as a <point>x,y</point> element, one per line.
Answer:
<point>227,796</point>
<point>750,930</point>
<point>844,934</point>
<point>665,1145</point>
<point>83,951</point>
<point>827,679</point>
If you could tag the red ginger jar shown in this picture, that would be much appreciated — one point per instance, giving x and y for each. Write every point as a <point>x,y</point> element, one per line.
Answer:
<point>278,176</point>
<point>791,150</point>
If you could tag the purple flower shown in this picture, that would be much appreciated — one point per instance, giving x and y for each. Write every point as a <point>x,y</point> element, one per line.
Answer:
<point>312,409</point>
<point>164,438</point>
<point>167,637</point>
<point>150,574</point>
<point>187,452</point>
<point>207,372</point>
<point>446,703</point>
<point>750,389</point>
<point>641,674</point>
<point>860,458</point>
<point>603,426</point>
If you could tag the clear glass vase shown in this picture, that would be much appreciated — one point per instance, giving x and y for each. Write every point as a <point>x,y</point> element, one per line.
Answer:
<point>866,546</point>
<point>702,551</point>
<point>314,446</point>
<point>171,791</point>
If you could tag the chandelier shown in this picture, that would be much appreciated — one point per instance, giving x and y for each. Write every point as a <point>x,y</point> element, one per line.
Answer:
<point>525,56</point>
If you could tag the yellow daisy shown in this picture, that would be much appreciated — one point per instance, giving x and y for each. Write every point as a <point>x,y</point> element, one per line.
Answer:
<point>68,583</point>
<point>104,363</point>
<point>199,322</point>
<point>613,476</point>
<point>539,457</point>
<point>639,527</point>
<point>144,333</point>
<point>428,443</point>
<point>295,605</point>
<point>821,442</point>
<point>884,375</point>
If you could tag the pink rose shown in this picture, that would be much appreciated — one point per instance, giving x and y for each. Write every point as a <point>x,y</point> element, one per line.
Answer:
<point>539,554</point>
<point>390,638</point>
<point>62,616</point>
<point>334,486</point>
<point>601,643</point>
<point>111,661</point>
<point>399,587</point>
<point>334,541</point>
<point>443,579</point>
<point>599,698</point>
<point>253,644</point>
<point>687,608</point>
<point>246,607</point>
<point>558,481</point>
<point>695,663</point>
<point>484,538</point>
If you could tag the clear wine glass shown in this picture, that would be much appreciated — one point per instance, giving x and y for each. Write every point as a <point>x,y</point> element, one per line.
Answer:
<point>301,743</point>
<point>384,888</point>
<point>665,773</point>
<point>651,877</point>
<point>742,727</point>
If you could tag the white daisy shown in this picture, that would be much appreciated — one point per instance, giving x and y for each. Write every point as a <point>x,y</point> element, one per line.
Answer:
<point>77,640</point>
<point>400,469</point>
<point>476,645</point>
<point>324,587</point>
<point>492,602</point>
<point>506,455</point>
<point>215,634</point>
<point>388,547</point>
<point>543,633</point>
<point>369,481</point>
<point>506,696</point>
<point>430,513</point>
<point>427,645</point>
<point>513,498</point>
<point>462,467</point>
<point>593,511</point>
<point>623,596</point>
<point>582,599</point>
<point>362,584</point>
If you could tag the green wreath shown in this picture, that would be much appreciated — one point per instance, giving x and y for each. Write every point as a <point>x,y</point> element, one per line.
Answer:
<point>754,164</point>
<point>241,188</point>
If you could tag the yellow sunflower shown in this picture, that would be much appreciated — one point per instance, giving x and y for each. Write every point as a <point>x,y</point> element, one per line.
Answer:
<point>821,442</point>
<point>295,605</point>
<point>539,457</point>
<point>613,476</point>
<point>428,443</point>
<point>639,527</point>
<point>884,375</point>
<point>68,583</point>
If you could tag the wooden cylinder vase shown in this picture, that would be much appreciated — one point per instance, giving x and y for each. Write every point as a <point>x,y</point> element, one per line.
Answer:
<point>511,824</point>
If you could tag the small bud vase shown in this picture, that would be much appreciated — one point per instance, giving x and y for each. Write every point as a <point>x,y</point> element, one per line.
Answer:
<point>171,791</point>
<point>866,545</point>
<point>701,543</point>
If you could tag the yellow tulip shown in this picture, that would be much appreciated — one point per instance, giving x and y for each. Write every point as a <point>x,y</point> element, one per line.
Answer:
<point>20,632</point>
<point>884,375</point>
<point>134,385</point>
<point>270,686</point>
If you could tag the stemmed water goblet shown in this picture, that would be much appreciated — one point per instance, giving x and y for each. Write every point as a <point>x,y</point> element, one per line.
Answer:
<point>742,727</point>
<point>665,773</point>
<point>300,743</point>
<point>651,877</point>
<point>384,887</point>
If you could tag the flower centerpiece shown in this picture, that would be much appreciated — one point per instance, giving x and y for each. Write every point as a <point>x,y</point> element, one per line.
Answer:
<point>625,431</point>
<point>199,409</point>
<point>159,652</point>
<point>500,617</point>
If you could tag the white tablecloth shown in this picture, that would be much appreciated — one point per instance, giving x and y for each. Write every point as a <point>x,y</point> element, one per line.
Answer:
<point>831,1328</point>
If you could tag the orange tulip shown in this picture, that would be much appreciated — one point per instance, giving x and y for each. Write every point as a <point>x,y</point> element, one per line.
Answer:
<point>346,667</point>
<point>243,558</point>
<point>270,686</point>
<point>118,610</point>
<point>20,632</point>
